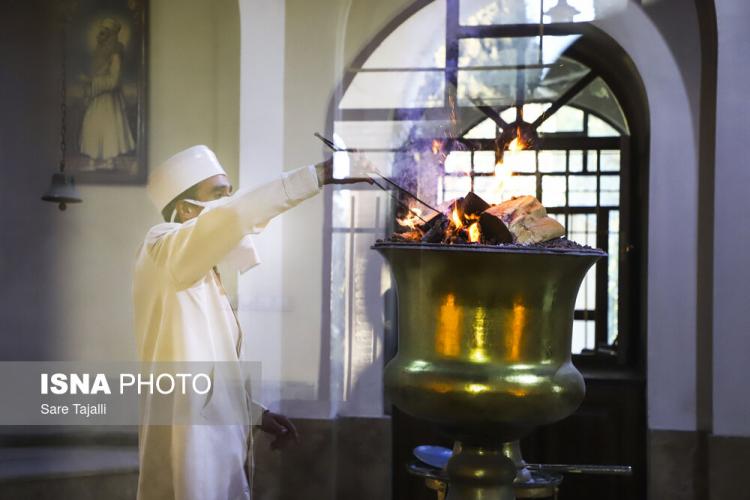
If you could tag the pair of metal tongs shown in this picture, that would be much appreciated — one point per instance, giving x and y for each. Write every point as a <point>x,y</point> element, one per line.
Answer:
<point>337,149</point>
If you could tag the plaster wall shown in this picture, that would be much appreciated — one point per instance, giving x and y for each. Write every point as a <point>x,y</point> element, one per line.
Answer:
<point>261,295</point>
<point>304,45</point>
<point>673,215</point>
<point>731,328</point>
<point>69,273</point>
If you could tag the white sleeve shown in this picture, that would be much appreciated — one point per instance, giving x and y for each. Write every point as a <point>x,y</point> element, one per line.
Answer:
<point>190,250</point>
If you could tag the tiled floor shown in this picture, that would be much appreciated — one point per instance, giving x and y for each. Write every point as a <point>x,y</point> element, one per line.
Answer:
<point>68,472</point>
<point>29,462</point>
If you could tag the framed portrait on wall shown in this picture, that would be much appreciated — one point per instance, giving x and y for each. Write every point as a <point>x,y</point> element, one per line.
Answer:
<point>106,65</point>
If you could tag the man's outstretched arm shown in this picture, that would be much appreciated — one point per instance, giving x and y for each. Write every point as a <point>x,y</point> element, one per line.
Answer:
<point>190,250</point>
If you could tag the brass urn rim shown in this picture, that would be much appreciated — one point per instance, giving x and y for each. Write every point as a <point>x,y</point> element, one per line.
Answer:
<point>482,248</point>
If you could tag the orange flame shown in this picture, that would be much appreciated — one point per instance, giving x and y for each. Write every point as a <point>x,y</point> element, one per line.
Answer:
<point>503,174</point>
<point>456,218</point>
<point>503,171</point>
<point>412,219</point>
<point>475,234</point>
<point>517,143</point>
<point>436,146</point>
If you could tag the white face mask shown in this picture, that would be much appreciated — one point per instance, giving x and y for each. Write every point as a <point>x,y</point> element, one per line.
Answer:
<point>206,205</point>
<point>242,257</point>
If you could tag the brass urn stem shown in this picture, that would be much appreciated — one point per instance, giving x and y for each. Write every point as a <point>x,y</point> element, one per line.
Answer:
<point>478,473</point>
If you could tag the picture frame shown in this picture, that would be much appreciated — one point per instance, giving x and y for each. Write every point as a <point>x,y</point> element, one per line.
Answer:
<point>106,63</point>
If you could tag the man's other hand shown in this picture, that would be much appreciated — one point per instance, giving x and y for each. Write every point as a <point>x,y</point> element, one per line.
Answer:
<point>281,428</point>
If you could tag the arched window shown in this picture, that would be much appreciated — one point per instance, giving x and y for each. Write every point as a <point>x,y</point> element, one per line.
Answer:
<point>575,172</point>
<point>427,104</point>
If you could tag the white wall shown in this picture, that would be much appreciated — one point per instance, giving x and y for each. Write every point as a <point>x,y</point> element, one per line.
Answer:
<point>731,329</point>
<point>305,45</point>
<point>193,91</point>
<point>673,216</point>
<point>261,293</point>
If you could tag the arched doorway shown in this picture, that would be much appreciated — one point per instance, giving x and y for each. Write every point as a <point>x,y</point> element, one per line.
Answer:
<point>589,168</point>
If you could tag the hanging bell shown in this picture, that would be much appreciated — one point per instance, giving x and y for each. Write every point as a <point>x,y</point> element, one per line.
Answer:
<point>62,191</point>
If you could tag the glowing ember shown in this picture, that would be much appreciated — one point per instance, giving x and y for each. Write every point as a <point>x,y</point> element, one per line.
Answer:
<point>475,234</point>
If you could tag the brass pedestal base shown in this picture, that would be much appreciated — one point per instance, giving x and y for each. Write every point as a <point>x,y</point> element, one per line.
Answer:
<point>476,473</point>
<point>544,486</point>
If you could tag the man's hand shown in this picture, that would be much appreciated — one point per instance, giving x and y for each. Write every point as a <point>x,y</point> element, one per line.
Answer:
<point>325,173</point>
<point>280,427</point>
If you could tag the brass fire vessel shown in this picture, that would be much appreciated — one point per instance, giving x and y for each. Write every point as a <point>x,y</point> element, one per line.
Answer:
<point>484,348</point>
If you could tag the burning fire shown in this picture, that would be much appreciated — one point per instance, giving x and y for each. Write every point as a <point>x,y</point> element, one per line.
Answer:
<point>471,219</point>
<point>456,218</point>
<point>475,233</point>
<point>503,173</point>
<point>503,170</point>
<point>412,219</point>
<point>458,223</point>
<point>517,143</point>
<point>463,226</point>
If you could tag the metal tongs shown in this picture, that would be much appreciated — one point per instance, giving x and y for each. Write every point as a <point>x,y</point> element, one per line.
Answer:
<point>438,457</point>
<point>337,149</point>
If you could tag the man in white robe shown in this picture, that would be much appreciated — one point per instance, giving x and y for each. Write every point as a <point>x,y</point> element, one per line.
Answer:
<point>182,314</point>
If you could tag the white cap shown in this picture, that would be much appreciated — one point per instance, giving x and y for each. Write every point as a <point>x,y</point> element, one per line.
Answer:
<point>180,172</point>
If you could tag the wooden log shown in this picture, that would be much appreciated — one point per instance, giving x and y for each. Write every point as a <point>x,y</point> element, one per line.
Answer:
<point>460,236</point>
<point>515,208</point>
<point>436,233</point>
<point>472,204</point>
<point>494,230</point>
<point>431,220</point>
<point>521,220</point>
<point>529,230</point>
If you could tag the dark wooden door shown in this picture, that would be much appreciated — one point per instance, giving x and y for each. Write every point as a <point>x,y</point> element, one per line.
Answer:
<point>608,429</point>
